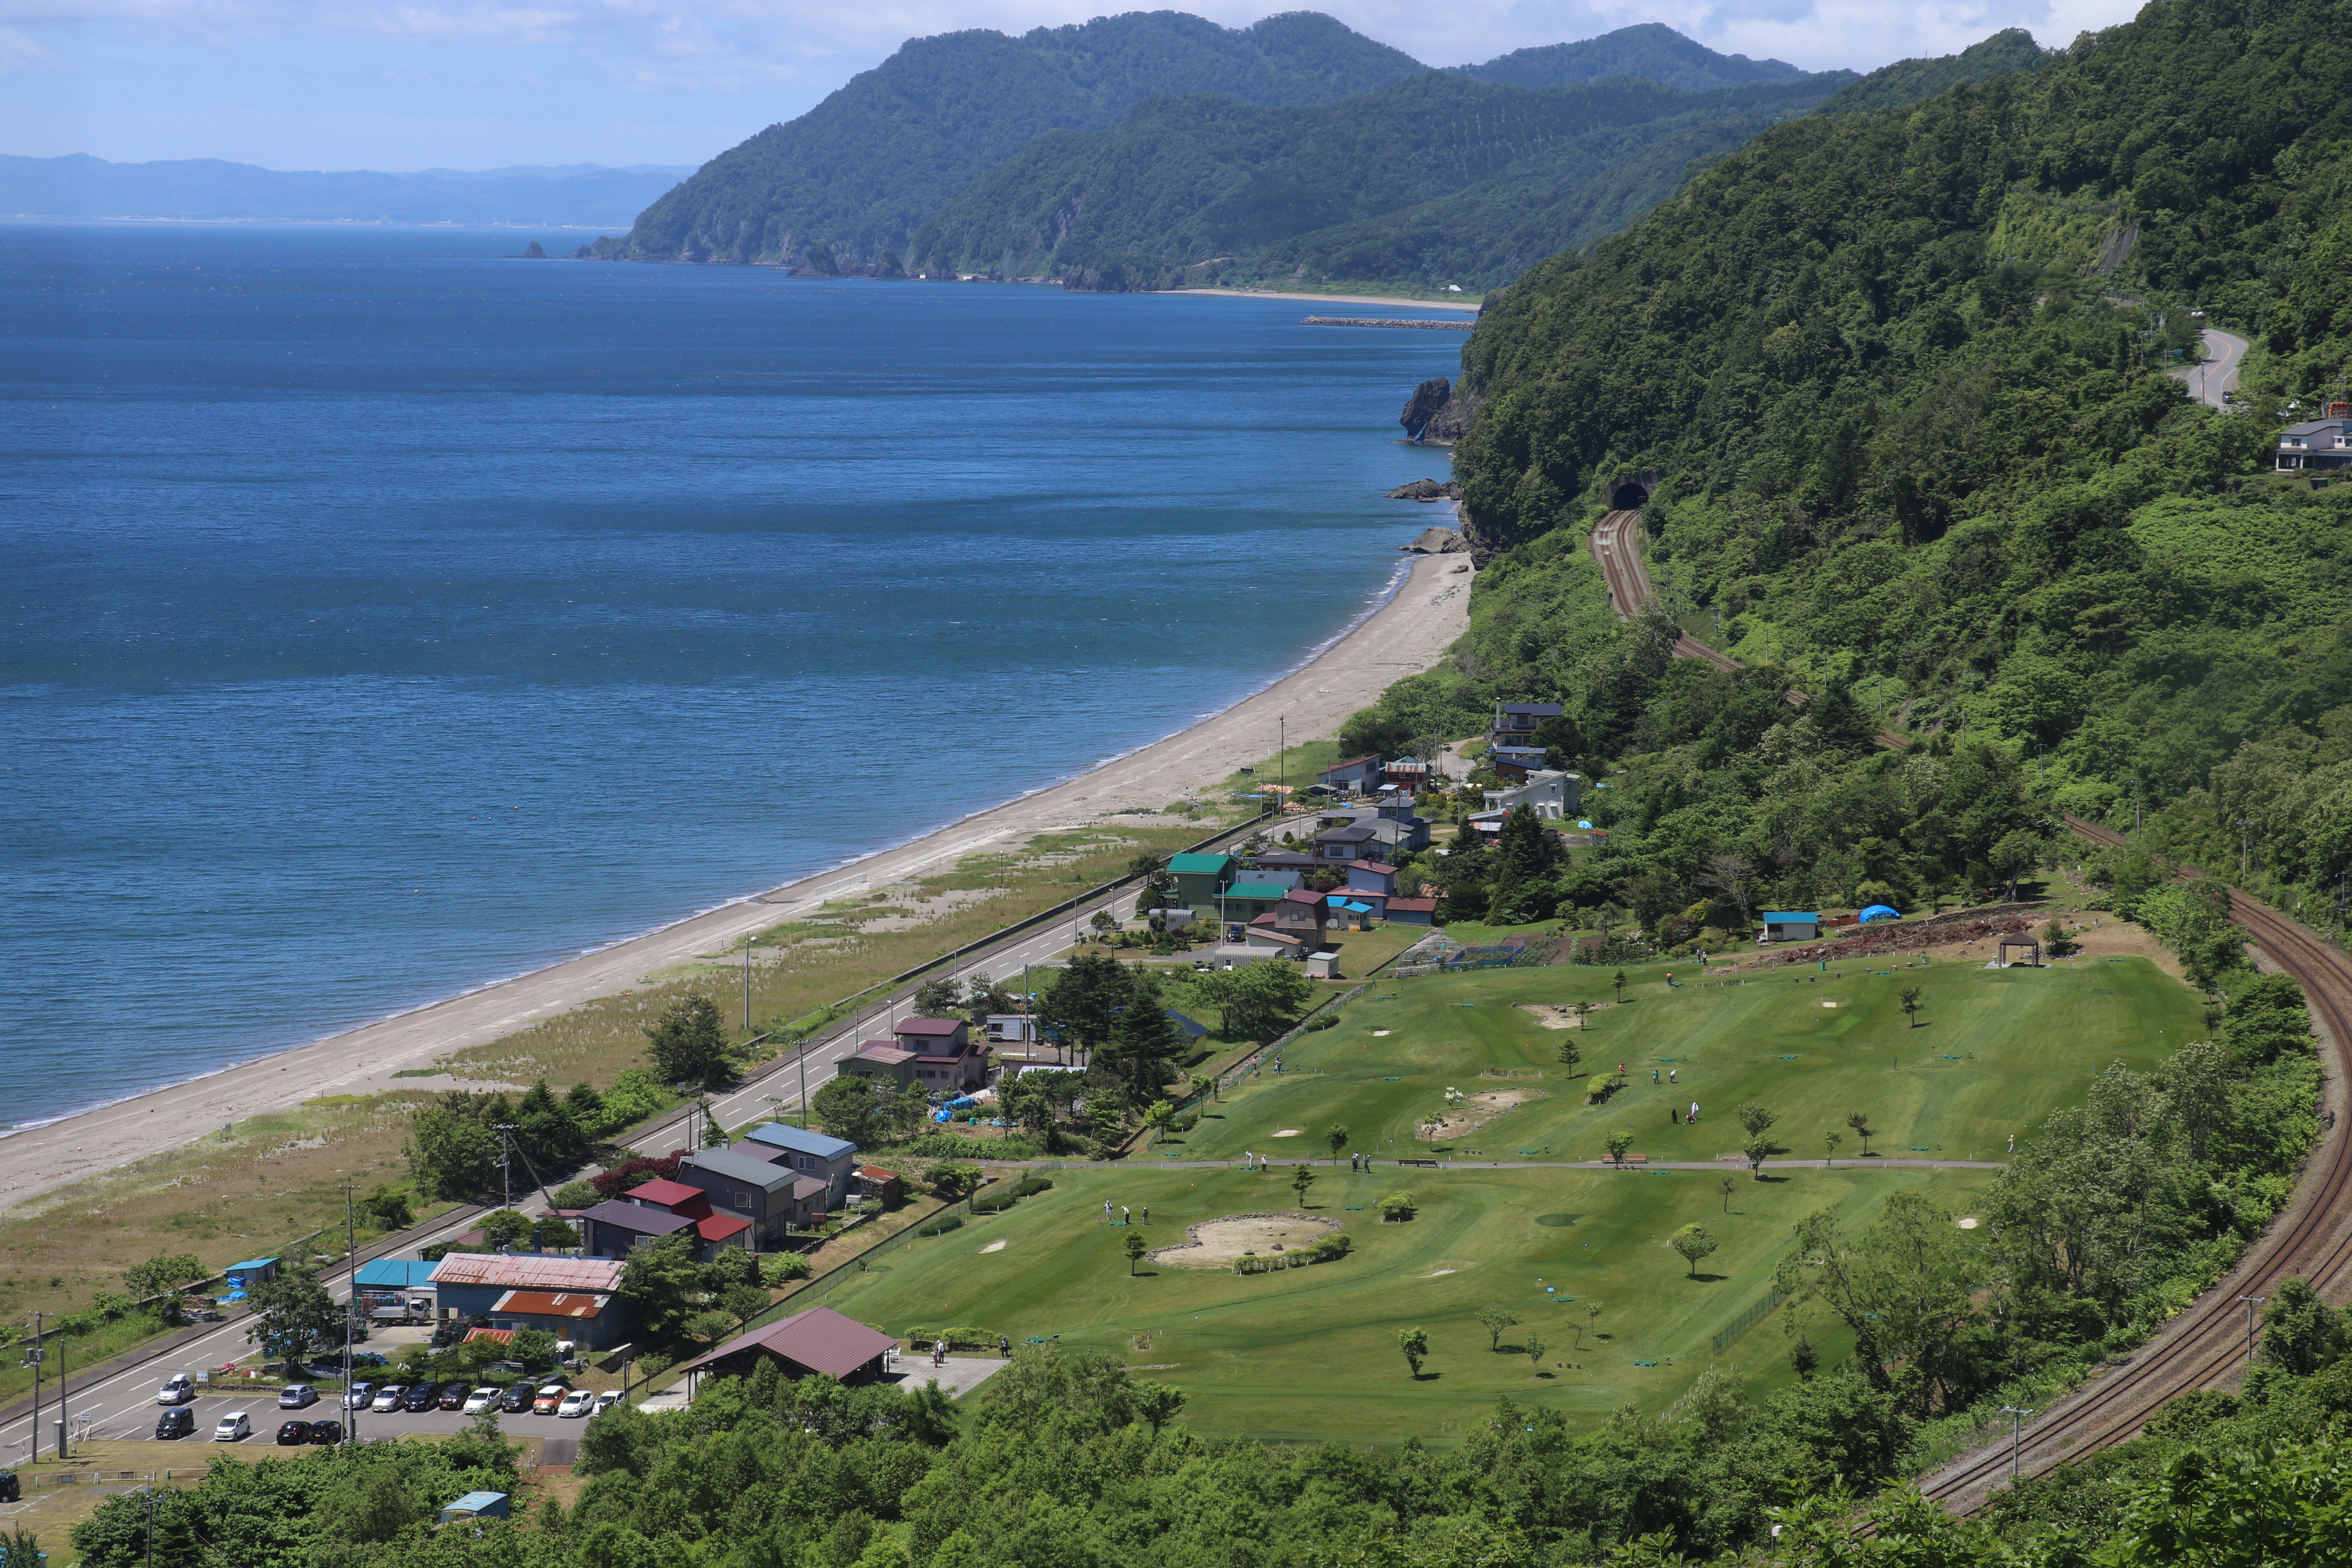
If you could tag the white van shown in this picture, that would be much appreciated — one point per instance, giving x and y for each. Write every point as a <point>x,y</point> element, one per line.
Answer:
<point>178,1389</point>
<point>234,1427</point>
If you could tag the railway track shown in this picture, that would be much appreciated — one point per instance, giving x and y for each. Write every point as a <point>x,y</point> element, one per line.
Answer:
<point>2205,1346</point>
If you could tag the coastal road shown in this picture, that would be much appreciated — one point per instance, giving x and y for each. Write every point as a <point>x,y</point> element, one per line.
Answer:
<point>2211,381</point>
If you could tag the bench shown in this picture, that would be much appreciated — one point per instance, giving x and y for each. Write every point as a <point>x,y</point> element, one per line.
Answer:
<point>1431,1163</point>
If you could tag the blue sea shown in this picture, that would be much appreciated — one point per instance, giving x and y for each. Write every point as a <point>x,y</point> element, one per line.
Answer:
<point>384,613</point>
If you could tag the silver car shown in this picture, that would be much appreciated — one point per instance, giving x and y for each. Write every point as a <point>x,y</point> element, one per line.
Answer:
<point>390,1396</point>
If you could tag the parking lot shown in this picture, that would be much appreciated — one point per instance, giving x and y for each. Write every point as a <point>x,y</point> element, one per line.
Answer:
<point>139,1426</point>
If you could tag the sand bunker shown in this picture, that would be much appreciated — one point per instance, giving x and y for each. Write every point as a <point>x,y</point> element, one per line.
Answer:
<point>1290,1133</point>
<point>993,1247</point>
<point>1217,1243</point>
<point>1552,1017</point>
<point>1475,1111</point>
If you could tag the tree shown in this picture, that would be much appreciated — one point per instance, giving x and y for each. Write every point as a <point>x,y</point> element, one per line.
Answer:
<point>533,1347</point>
<point>1157,1403</point>
<point>1136,1247</point>
<point>2300,1333</point>
<point>1104,922</point>
<point>168,1275</point>
<point>688,1043</point>
<point>290,1312</point>
<point>1569,1055</point>
<point>1533,1344</point>
<point>1618,1143</point>
<point>1415,1344</point>
<point>1300,1180</point>
<point>1396,1208</point>
<point>1724,1186</point>
<point>2057,941</point>
<point>505,1227</point>
<point>1495,1320</point>
<point>1336,1136</point>
<point>937,997</point>
<point>2015,854</point>
<point>1084,999</point>
<point>1693,1242</point>
<point>1754,1119</point>
<point>1733,876</point>
<point>1760,1147</point>
<point>1830,1142</point>
<point>1619,981</point>
<point>389,1208</point>
<point>846,1107</point>
<point>450,1152</point>
<point>1143,1040</point>
<point>1158,1117</point>
<point>1756,1151</point>
<point>1909,1003</point>
<point>951,1180</point>
<point>1592,1317</point>
<point>1258,1002</point>
<point>1859,1122</point>
<point>662,1283</point>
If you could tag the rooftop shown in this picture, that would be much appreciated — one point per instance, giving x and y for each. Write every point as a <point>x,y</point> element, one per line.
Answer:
<point>820,1339</point>
<point>643,1218</point>
<point>553,1303</point>
<point>1198,865</point>
<point>600,1274</point>
<point>662,1194</point>
<point>941,1026</point>
<point>801,1141</point>
<point>1257,889</point>
<point>742,1168</point>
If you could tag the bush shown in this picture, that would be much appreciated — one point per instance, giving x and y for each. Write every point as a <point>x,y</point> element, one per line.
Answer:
<point>1598,1088</point>
<point>1397,1207</point>
<point>781,1267</point>
<point>1327,1021</point>
<point>1335,1246</point>
<point>942,1226</point>
<point>1029,1186</point>
<point>996,1201</point>
<point>964,1336</point>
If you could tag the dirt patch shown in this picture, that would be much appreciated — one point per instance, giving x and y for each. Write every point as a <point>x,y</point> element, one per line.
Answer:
<point>1218,1243</point>
<point>1552,1017</point>
<point>1475,1111</point>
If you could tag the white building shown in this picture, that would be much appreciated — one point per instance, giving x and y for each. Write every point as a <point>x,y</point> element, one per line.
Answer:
<point>1551,794</point>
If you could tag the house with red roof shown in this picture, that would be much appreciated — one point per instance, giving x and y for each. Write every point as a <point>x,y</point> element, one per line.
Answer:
<point>818,1341</point>
<point>618,1227</point>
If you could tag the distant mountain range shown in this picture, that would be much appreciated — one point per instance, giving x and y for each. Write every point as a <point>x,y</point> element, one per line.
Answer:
<point>1151,151</point>
<point>586,195</point>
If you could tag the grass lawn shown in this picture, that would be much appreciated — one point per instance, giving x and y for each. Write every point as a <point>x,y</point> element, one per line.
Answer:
<point>1311,1354</point>
<point>1994,1052</point>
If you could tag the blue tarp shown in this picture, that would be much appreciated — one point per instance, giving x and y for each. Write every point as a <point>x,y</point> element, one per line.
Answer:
<point>1881,912</point>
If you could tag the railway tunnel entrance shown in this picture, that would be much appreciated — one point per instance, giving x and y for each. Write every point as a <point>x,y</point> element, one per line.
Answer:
<point>1628,495</point>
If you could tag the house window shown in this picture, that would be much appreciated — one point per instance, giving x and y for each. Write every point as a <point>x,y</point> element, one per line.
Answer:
<point>743,1199</point>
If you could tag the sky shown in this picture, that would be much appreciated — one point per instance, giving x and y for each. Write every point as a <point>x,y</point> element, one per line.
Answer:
<point>475,84</point>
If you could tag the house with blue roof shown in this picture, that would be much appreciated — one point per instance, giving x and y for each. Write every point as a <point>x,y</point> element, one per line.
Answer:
<point>813,1155</point>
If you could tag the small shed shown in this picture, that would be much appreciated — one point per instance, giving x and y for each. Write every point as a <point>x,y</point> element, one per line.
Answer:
<point>1323,966</point>
<point>1791,925</point>
<point>477,1505</point>
<point>243,1277</point>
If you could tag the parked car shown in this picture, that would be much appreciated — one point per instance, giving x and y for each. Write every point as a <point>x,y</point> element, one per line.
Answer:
<point>179,1422</point>
<point>361,1397</point>
<point>422,1397</point>
<point>454,1396</point>
<point>178,1389</point>
<point>606,1400</point>
<point>550,1396</point>
<point>577,1403</point>
<point>389,1396</point>
<point>482,1399</point>
<point>9,1491</point>
<point>293,1434</point>
<point>517,1399</point>
<point>296,1397</point>
<point>326,1432</point>
<point>233,1427</point>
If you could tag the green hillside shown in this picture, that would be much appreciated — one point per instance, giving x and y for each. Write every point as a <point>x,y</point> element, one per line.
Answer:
<point>1901,374</point>
<point>856,174</point>
<point>1439,179</point>
<point>1917,80</point>
<point>1653,51</point>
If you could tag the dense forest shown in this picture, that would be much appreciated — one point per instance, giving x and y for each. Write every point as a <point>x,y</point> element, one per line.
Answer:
<point>1651,52</point>
<point>849,181</point>
<point>1897,382</point>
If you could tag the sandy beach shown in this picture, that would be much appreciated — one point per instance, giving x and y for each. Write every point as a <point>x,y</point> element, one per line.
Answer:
<point>1405,635</point>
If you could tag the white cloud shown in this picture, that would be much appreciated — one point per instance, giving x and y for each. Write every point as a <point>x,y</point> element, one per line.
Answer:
<point>18,52</point>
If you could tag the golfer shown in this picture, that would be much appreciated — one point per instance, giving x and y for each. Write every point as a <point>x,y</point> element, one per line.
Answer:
<point>1693,1110</point>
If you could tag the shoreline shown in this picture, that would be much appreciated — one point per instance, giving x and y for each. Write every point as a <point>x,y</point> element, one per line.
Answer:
<point>1471,305</point>
<point>1402,629</point>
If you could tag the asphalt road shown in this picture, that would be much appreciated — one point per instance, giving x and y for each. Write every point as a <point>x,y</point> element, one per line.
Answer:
<point>2225,353</point>
<point>138,1421</point>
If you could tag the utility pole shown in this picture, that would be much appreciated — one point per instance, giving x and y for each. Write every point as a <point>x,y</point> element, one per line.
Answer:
<point>350,1327</point>
<point>2252,1302</point>
<point>506,1162</point>
<point>33,1356</point>
<point>747,979</point>
<point>2016,1420</point>
<point>62,1417</point>
<point>2245,847</point>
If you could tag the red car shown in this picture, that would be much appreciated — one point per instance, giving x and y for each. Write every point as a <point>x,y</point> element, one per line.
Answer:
<point>551,1394</point>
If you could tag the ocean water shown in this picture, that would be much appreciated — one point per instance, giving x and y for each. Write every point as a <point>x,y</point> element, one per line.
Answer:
<point>383,614</point>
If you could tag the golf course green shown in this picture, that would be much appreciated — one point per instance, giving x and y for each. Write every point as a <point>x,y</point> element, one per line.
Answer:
<point>1311,1354</point>
<point>1989,1054</point>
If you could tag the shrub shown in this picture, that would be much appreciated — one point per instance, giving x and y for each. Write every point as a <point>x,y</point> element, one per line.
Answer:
<point>781,1267</point>
<point>1598,1086</point>
<point>996,1201</point>
<point>942,1226</point>
<point>1327,1021</point>
<point>1029,1186</point>
<point>1333,1247</point>
<point>964,1336</point>
<point>1396,1208</point>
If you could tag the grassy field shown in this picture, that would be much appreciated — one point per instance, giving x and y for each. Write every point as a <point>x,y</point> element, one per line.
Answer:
<point>1311,1354</point>
<point>1993,1054</point>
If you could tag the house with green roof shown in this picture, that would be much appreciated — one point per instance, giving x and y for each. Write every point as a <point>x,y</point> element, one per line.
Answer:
<point>1200,879</point>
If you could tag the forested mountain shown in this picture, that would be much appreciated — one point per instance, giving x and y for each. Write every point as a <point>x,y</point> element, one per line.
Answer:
<point>1439,179</point>
<point>1917,80</point>
<point>1896,380</point>
<point>83,187</point>
<point>858,173</point>
<point>1653,51</point>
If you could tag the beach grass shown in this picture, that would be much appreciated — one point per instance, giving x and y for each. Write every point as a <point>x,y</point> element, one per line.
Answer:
<point>1311,1354</point>
<point>1992,1053</point>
